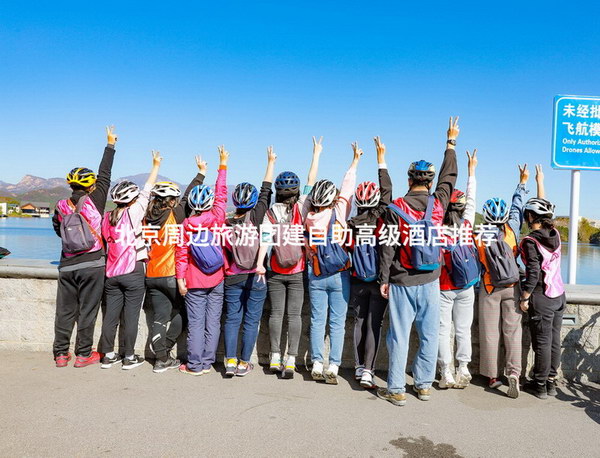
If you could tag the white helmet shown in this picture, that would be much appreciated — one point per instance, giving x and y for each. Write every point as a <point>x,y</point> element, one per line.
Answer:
<point>323,193</point>
<point>540,207</point>
<point>124,192</point>
<point>166,189</point>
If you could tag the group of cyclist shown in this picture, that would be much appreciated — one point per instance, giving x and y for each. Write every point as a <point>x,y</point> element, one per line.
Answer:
<point>188,285</point>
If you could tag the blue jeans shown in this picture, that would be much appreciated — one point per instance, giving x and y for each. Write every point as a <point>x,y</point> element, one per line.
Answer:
<point>420,304</point>
<point>245,301</point>
<point>328,294</point>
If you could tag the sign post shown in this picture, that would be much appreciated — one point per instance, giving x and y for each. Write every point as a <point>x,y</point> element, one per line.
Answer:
<point>575,146</point>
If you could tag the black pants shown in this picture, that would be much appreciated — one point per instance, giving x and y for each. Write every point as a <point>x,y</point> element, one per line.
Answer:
<point>77,301</point>
<point>166,307</point>
<point>369,307</point>
<point>545,320</point>
<point>123,294</point>
<point>286,292</point>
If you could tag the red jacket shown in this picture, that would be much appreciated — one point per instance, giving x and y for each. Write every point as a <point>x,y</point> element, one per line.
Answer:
<point>185,266</point>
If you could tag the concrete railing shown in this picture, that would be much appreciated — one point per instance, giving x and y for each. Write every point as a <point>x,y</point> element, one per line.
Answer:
<point>28,299</point>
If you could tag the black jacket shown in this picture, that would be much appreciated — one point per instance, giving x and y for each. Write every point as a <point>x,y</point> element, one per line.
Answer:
<point>391,270</point>
<point>532,258</point>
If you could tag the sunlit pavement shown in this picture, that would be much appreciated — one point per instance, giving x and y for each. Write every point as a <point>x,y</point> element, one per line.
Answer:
<point>45,411</point>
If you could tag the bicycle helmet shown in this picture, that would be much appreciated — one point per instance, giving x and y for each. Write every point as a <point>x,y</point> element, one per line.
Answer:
<point>458,200</point>
<point>367,194</point>
<point>495,211</point>
<point>201,198</point>
<point>245,195</point>
<point>166,189</point>
<point>422,171</point>
<point>287,181</point>
<point>81,176</point>
<point>323,193</point>
<point>124,192</point>
<point>540,207</point>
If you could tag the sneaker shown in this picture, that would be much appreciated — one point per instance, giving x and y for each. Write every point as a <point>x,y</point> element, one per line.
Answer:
<point>317,371</point>
<point>447,379</point>
<point>366,381</point>
<point>513,386</point>
<point>551,387</point>
<point>331,374</point>
<point>289,367</point>
<point>463,377</point>
<point>539,390</point>
<point>163,366</point>
<point>62,360</point>
<point>230,367</point>
<point>358,372</point>
<point>422,393</point>
<point>494,383</point>
<point>398,399</point>
<point>107,362</point>
<point>244,368</point>
<point>275,364</point>
<point>207,370</point>
<point>136,361</point>
<point>184,369</point>
<point>83,361</point>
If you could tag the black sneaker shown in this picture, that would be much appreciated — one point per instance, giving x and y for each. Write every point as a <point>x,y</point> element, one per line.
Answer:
<point>551,387</point>
<point>132,363</point>
<point>537,389</point>
<point>162,366</point>
<point>107,362</point>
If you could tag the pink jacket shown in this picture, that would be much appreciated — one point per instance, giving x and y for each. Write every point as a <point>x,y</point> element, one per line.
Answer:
<point>185,266</point>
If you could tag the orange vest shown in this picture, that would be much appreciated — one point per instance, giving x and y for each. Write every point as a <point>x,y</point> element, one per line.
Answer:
<point>511,239</point>
<point>161,257</point>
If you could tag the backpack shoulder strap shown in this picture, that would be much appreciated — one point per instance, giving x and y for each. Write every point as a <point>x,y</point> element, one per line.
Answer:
<point>271,216</point>
<point>80,203</point>
<point>402,214</point>
<point>429,209</point>
<point>331,224</point>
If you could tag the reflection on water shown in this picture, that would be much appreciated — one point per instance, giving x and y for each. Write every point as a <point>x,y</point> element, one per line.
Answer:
<point>34,238</point>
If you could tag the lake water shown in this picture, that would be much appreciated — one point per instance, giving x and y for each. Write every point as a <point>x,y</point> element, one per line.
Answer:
<point>34,238</point>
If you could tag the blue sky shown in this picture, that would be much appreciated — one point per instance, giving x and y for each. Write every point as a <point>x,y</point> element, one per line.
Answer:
<point>183,79</point>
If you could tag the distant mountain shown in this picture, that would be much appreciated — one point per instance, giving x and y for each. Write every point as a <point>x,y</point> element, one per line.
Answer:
<point>31,183</point>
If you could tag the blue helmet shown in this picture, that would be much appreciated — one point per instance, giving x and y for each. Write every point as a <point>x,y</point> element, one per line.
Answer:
<point>245,195</point>
<point>287,181</point>
<point>201,198</point>
<point>495,211</point>
<point>422,171</point>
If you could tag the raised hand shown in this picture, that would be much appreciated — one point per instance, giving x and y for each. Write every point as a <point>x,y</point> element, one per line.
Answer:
<point>110,135</point>
<point>539,173</point>
<point>523,173</point>
<point>201,164</point>
<point>357,151</point>
<point>472,158</point>
<point>223,155</point>
<point>453,129</point>
<point>317,145</point>
<point>156,158</point>
<point>380,147</point>
<point>271,156</point>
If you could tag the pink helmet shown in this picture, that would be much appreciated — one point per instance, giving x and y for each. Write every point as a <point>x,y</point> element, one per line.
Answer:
<point>367,194</point>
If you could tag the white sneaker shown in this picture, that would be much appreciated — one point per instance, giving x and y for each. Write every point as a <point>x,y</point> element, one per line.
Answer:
<point>447,379</point>
<point>317,371</point>
<point>275,364</point>
<point>366,381</point>
<point>463,377</point>
<point>358,372</point>
<point>289,367</point>
<point>331,374</point>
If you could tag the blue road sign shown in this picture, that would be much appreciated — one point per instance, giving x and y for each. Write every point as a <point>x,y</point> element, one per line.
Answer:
<point>576,132</point>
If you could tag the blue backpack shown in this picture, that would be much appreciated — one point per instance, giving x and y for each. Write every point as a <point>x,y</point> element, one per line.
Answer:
<point>207,256</point>
<point>464,268</point>
<point>425,257</point>
<point>365,262</point>
<point>331,256</point>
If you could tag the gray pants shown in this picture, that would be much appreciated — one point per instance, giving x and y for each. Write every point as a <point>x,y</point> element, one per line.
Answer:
<point>456,306</point>
<point>286,292</point>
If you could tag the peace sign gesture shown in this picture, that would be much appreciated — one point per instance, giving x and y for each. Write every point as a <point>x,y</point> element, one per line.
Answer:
<point>223,155</point>
<point>380,147</point>
<point>202,165</point>
<point>357,151</point>
<point>523,174</point>
<point>271,156</point>
<point>453,129</point>
<point>472,158</point>
<point>156,158</point>
<point>317,145</point>
<point>110,135</point>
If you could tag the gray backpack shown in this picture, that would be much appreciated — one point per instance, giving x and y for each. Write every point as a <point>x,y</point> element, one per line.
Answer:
<point>501,263</point>
<point>75,232</point>
<point>286,254</point>
<point>244,254</point>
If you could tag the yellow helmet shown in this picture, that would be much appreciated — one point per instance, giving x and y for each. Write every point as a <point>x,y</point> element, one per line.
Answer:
<point>82,177</point>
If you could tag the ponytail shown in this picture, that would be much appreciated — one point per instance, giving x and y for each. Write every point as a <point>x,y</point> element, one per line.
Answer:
<point>116,213</point>
<point>547,223</point>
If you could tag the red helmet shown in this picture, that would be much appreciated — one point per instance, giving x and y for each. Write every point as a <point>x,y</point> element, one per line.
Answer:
<point>458,200</point>
<point>367,194</point>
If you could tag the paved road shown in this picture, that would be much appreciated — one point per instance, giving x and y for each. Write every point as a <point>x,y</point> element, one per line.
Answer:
<point>46,411</point>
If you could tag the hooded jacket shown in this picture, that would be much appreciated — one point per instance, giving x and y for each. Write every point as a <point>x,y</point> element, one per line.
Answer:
<point>534,276</point>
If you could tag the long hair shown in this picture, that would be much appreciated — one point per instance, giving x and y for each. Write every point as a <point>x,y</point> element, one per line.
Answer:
<point>116,213</point>
<point>453,217</point>
<point>160,203</point>
<point>544,220</point>
<point>288,200</point>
